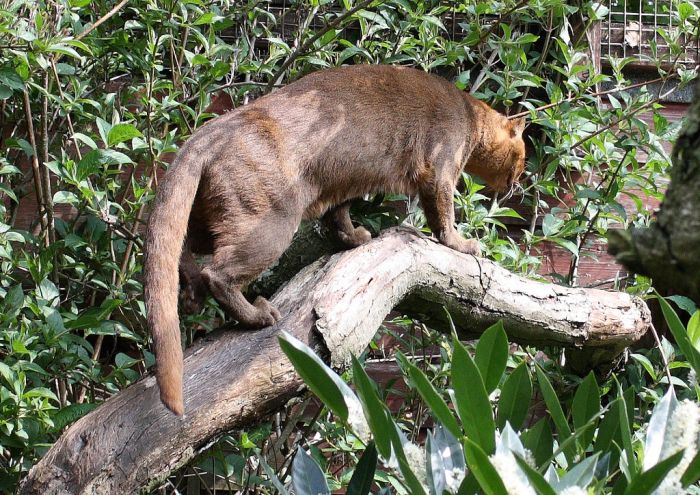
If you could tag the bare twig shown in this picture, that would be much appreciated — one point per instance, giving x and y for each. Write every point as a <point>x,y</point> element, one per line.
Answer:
<point>38,186</point>
<point>591,95</point>
<point>102,19</point>
<point>304,48</point>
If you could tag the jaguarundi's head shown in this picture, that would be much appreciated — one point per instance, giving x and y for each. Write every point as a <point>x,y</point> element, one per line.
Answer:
<point>500,156</point>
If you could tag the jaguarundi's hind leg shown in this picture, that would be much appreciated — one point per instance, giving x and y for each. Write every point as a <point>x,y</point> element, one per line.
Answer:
<point>338,219</point>
<point>193,288</point>
<point>239,258</point>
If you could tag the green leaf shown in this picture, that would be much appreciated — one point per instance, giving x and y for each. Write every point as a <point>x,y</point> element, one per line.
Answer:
<point>658,428</point>
<point>124,361</point>
<point>586,405</point>
<point>491,355</point>
<point>10,78</point>
<point>692,473</point>
<point>41,392</point>
<point>48,291</point>
<point>444,454</point>
<point>483,470</point>
<point>437,406</point>
<point>625,432</point>
<point>64,49</point>
<point>554,407</point>
<point>374,409</point>
<point>362,478</point>
<point>6,372</point>
<point>685,303</point>
<point>694,329</point>
<point>307,476</point>
<point>680,334</point>
<point>538,440</point>
<point>14,300</point>
<point>316,375</point>
<point>608,427</point>
<point>537,480</point>
<point>516,393</point>
<point>70,414</point>
<point>646,364</point>
<point>646,482</point>
<point>66,197</point>
<point>207,18</point>
<point>580,475</point>
<point>122,132</point>
<point>471,399</point>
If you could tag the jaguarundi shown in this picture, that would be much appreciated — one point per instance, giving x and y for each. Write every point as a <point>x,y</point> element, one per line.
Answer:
<point>242,183</point>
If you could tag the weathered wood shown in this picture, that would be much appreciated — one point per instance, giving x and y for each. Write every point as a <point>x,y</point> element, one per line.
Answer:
<point>233,378</point>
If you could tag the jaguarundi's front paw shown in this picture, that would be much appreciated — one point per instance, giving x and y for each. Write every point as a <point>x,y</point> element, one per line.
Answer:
<point>469,246</point>
<point>266,314</point>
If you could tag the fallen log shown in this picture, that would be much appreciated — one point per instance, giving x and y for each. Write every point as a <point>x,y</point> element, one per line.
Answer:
<point>235,378</point>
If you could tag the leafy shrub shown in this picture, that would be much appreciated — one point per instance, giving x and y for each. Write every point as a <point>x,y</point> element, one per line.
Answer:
<point>111,93</point>
<point>488,441</point>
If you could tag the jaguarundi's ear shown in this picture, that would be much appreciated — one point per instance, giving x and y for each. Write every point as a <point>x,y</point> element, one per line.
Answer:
<point>517,126</point>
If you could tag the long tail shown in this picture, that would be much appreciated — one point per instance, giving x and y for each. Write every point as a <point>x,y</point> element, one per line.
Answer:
<point>167,228</point>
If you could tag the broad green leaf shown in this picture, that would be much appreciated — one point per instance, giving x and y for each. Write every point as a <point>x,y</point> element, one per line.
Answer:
<point>692,472</point>
<point>472,401</point>
<point>307,476</point>
<point>374,409</point>
<point>646,364</point>
<point>538,440</point>
<point>362,478</point>
<point>647,481</point>
<point>398,440</point>
<point>316,375</point>
<point>685,303</point>
<point>70,414</point>
<point>6,372</point>
<point>436,404</point>
<point>586,405</point>
<point>41,392</point>
<point>444,454</point>
<point>122,132</point>
<point>658,427</point>
<point>537,480</point>
<point>10,79</point>
<point>694,330</point>
<point>491,355</point>
<point>626,433</point>
<point>680,334</point>
<point>514,403</point>
<point>580,475</point>
<point>554,407</point>
<point>14,300</point>
<point>482,469</point>
<point>608,427</point>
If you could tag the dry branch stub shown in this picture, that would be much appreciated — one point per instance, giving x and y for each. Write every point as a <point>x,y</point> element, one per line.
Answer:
<point>336,305</point>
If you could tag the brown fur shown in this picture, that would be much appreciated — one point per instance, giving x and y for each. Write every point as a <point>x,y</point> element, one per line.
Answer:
<point>241,184</point>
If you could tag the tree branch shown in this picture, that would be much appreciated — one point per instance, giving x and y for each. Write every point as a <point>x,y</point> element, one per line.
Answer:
<point>336,304</point>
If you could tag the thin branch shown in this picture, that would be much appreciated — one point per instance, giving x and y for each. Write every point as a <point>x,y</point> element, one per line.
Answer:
<point>591,95</point>
<point>102,19</point>
<point>38,188</point>
<point>304,48</point>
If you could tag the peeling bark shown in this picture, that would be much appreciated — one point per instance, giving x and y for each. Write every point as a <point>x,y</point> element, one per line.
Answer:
<point>668,250</point>
<point>234,378</point>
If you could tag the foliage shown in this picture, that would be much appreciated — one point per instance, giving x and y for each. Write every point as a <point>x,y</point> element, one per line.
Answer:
<point>95,95</point>
<point>617,437</point>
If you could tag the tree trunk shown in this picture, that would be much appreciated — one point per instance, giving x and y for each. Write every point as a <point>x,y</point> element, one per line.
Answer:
<point>235,378</point>
<point>668,250</point>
